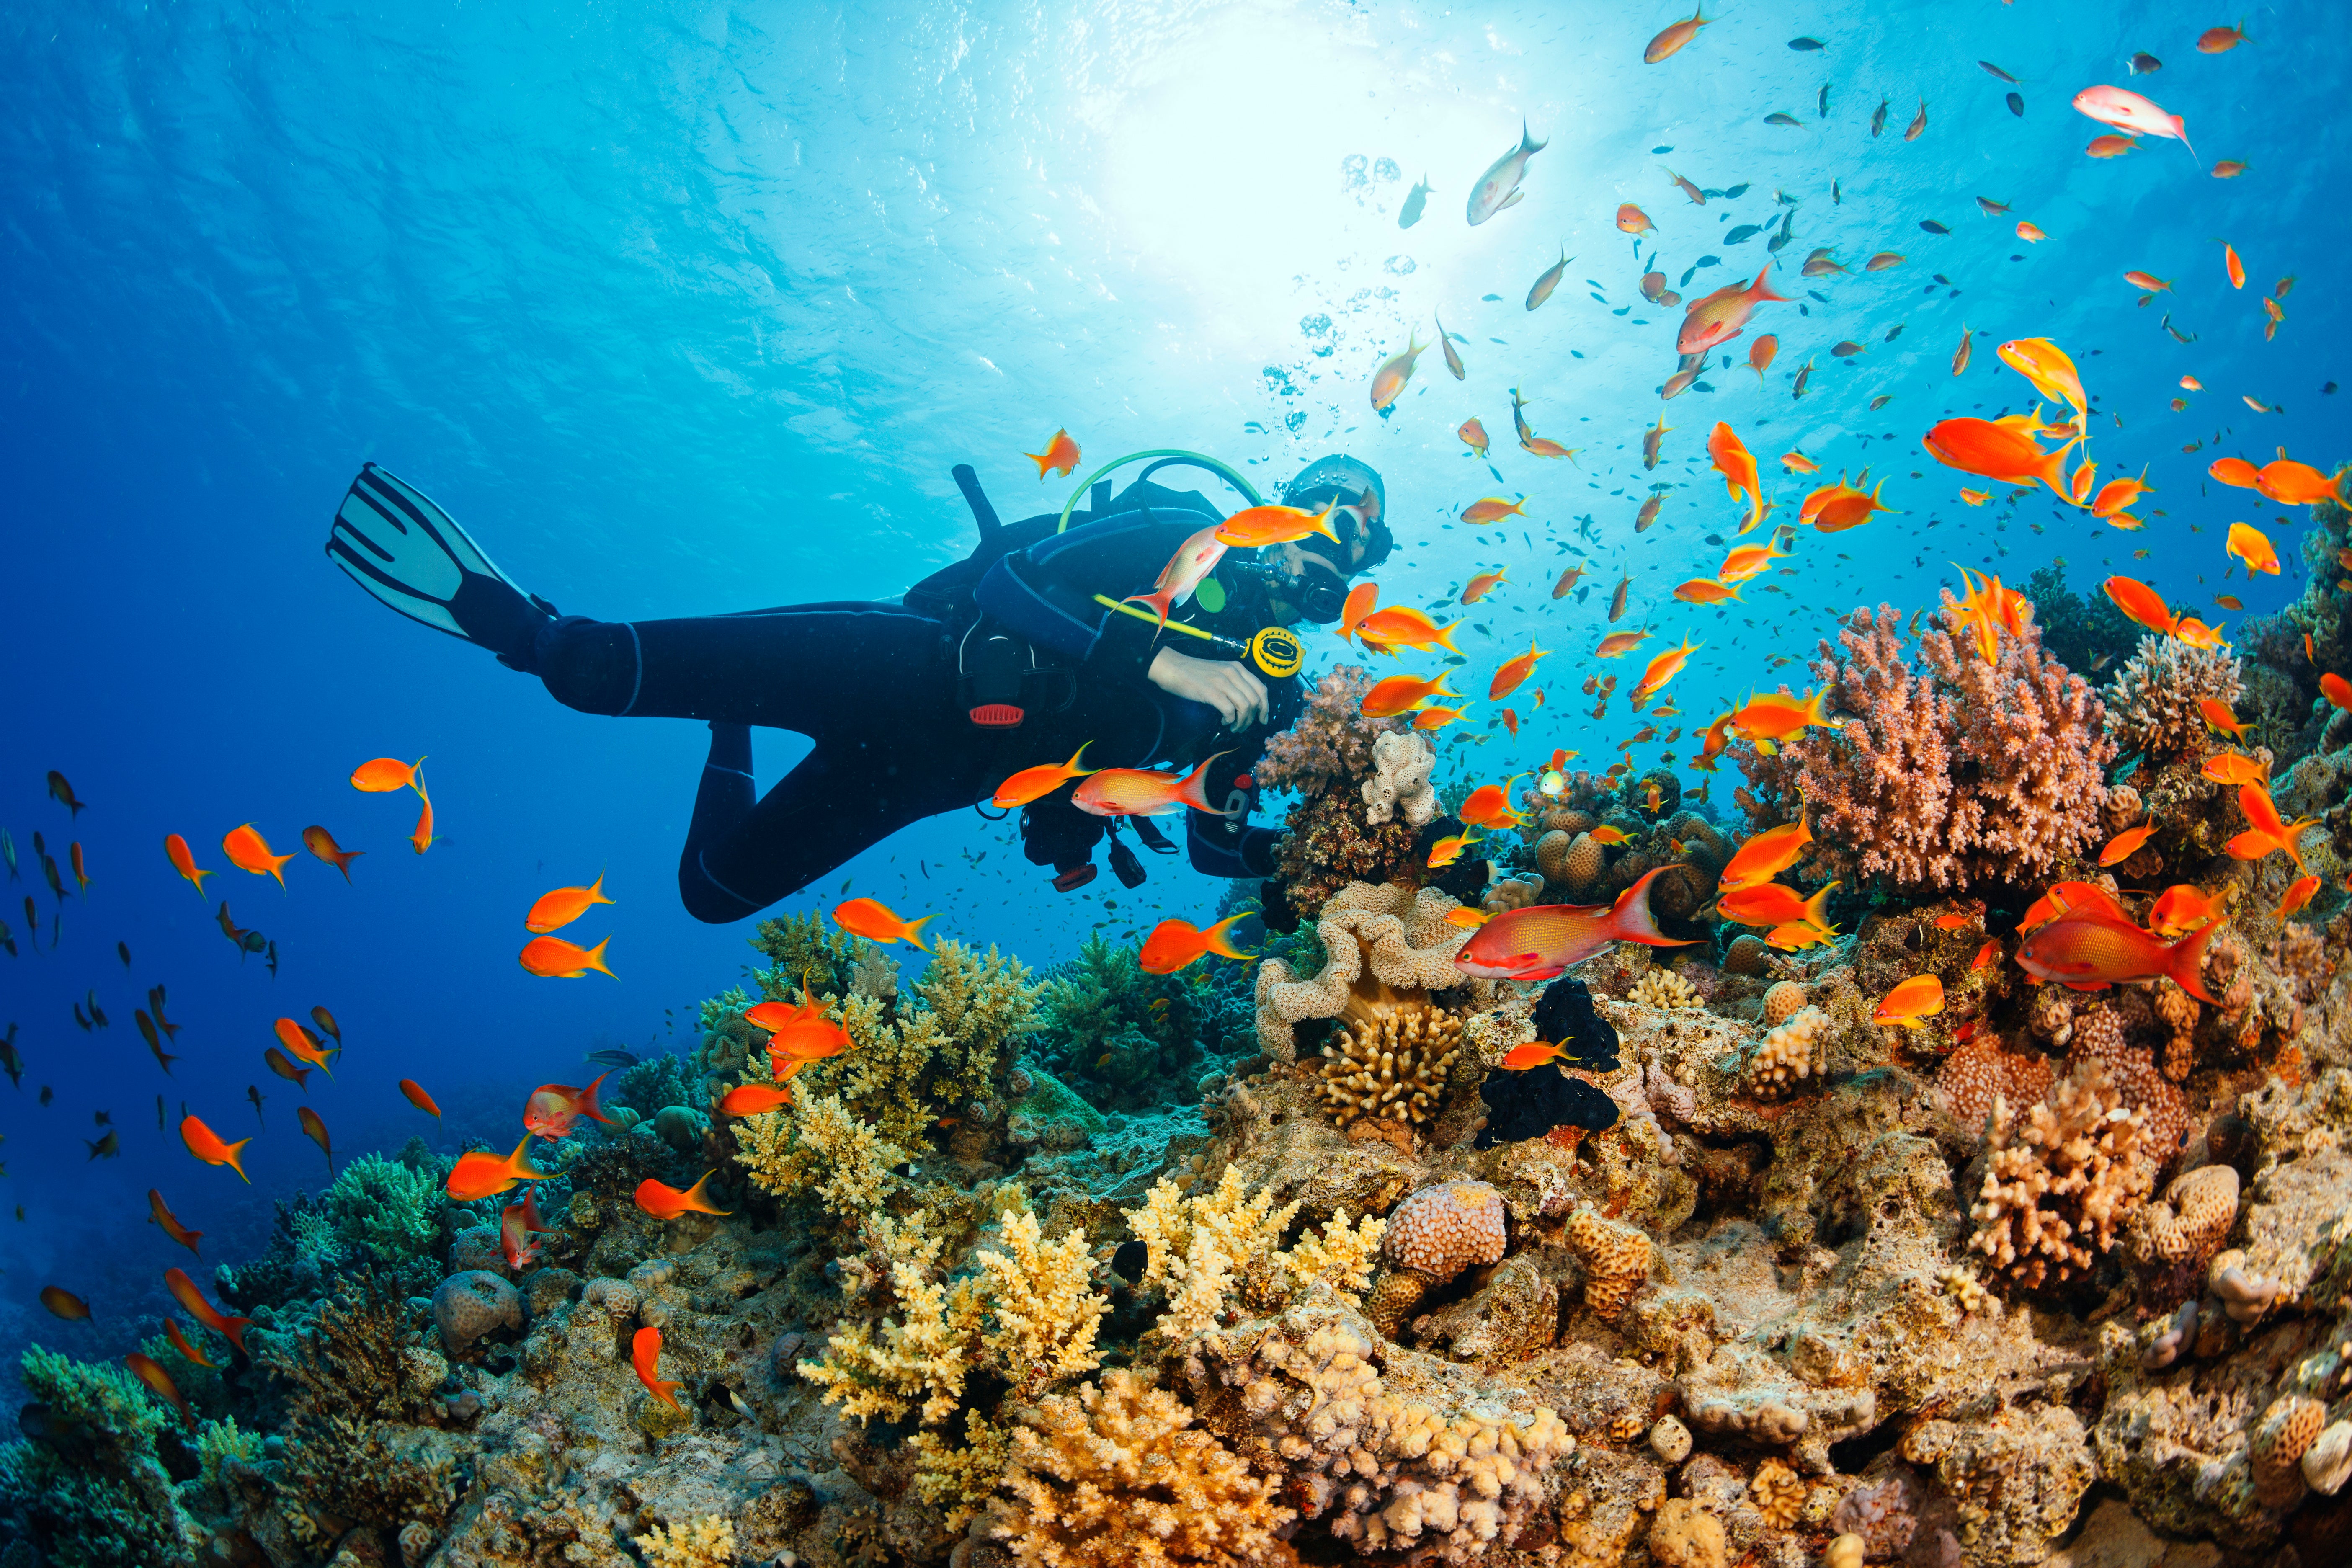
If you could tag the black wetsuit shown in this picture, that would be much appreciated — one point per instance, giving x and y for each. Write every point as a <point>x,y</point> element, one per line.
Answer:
<point>874,686</point>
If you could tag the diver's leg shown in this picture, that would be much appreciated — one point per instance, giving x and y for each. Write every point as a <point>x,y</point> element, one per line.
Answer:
<point>739,858</point>
<point>817,668</point>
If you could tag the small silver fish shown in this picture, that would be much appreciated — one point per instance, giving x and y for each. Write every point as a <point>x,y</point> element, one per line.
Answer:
<point>1499,187</point>
<point>1999,72</point>
<point>1446,342</point>
<point>1415,200</point>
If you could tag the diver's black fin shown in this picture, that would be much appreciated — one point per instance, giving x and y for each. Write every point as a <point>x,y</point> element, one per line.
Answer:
<point>393,540</point>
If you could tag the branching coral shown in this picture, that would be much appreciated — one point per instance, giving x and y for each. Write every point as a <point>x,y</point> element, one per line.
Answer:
<point>2059,1188</point>
<point>706,1544</point>
<point>816,1145</point>
<point>1327,757</point>
<point>1331,744</point>
<point>1101,1004</point>
<point>1120,1476</point>
<point>1392,935</point>
<point>91,1489</point>
<point>1211,1251</point>
<point>1960,773</point>
<point>1665,990</point>
<point>1791,1053</point>
<point>386,1206</point>
<point>1029,1317</point>
<point>2152,700</point>
<point>1388,1061</point>
<point>909,1064</point>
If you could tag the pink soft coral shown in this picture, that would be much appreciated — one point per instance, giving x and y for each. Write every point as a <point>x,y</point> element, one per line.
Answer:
<point>1948,776</point>
<point>1332,744</point>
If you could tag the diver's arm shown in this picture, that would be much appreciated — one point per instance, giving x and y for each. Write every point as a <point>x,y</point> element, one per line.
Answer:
<point>1232,688</point>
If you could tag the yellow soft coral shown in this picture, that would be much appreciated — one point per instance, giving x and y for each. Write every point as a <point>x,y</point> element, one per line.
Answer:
<point>708,1543</point>
<point>1120,1478</point>
<point>817,1145</point>
<point>1209,1248</point>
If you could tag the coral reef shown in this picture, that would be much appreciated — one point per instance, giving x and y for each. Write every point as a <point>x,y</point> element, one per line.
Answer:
<point>1327,757</point>
<point>2152,700</point>
<point>2060,1186</point>
<point>1383,944</point>
<point>1945,776</point>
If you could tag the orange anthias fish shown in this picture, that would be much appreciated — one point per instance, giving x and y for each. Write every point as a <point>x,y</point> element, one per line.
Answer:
<point>664,1202</point>
<point>1706,591</point>
<point>2220,41</point>
<point>1766,855</point>
<point>554,1108</point>
<point>64,1303</point>
<point>1661,669</point>
<point>1401,693</point>
<point>1738,466</point>
<point>421,839</point>
<point>553,910</point>
<point>2111,146</point>
<point>1435,717</point>
<point>645,1355</point>
<point>149,1371</point>
<point>2070,898</point>
<point>1474,435</point>
<point>1617,644</point>
<point>1797,463</point>
<point>2090,950</point>
<point>2297,484</point>
<point>755,1098</point>
<point>183,1290</point>
<point>1910,1004</point>
<point>1780,716</point>
<point>322,843</point>
<point>248,851</point>
<point>1173,944</point>
<point>183,861</point>
<point>518,1223</point>
<point>2255,801</point>
<point>1833,508</point>
<point>207,1145</point>
<point>303,1044</point>
<point>2234,767</point>
<point>1489,806</point>
<point>1031,785</point>
<point>1514,672</point>
<point>2337,689</point>
<point>2182,908</point>
<point>1265,525</point>
<point>2232,265</point>
<point>2220,715</point>
<point>159,1214</point>
<point>2298,894</point>
<point>1361,600</point>
<point>1478,587</point>
<point>1774,904</point>
<point>1670,40</point>
<point>2251,546</point>
<point>870,919</point>
<point>1493,509</point>
<point>1389,381</point>
<point>800,1033</point>
<point>2234,471</point>
<point>1193,560</point>
<point>1142,792</point>
<point>386,774</point>
<point>1448,850</point>
<point>2150,281</point>
<point>185,1345</point>
<point>2126,845</point>
<point>1607,834</point>
<point>283,1066</point>
<point>1760,353</point>
<point>1540,940</point>
<point>419,1099</point>
<point>316,1130</point>
<point>2128,111</point>
<point>1632,219</point>
<point>1987,955</point>
<point>1719,317</point>
<point>1060,456</point>
<point>1999,452</point>
<point>1748,560</point>
<point>479,1173</point>
<point>552,958</point>
<point>2141,604</point>
<point>1402,625</point>
<point>1534,1054</point>
<point>2052,372</point>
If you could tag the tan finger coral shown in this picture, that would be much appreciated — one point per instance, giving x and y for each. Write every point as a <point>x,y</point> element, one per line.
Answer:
<point>1616,1260</point>
<point>2061,1182</point>
<point>1777,1492</point>
<point>1225,1245</point>
<point>1374,937</point>
<point>706,1544</point>
<point>1791,1055</point>
<point>1388,1061</point>
<point>1120,1476</point>
<point>1665,990</point>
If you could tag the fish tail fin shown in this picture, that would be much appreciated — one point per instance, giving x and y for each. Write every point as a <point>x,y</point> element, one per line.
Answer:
<point>1630,920</point>
<point>1161,600</point>
<point>1044,461</point>
<point>2184,961</point>
<point>1760,290</point>
<point>1216,941</point>
<point>1195,790</point>
<point>236,1162</point>
<point>596,889</point>
<point>1528,143</point>
<point>233,1330</point>
<point>587,1101</point>
<point>1817,906</point>
<point>198,878</point>
<point>1444,638</point>
<point>695,1194</point>
<point>1072,768</point>
<point>520,1167</point>
<point>596,962</point>
<point>915,929</point>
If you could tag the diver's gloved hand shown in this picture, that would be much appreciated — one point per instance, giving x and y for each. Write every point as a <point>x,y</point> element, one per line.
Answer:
<point>1236,693</point>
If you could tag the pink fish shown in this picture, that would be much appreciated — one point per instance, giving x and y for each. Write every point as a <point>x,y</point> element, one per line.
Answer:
<point>2090,950</point>
<point>1540,940</point>
<point>1718,318</point>
<point>1194,559</point>
<point>2128,111</point>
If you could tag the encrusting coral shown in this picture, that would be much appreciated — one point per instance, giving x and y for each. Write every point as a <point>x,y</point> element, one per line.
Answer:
<point>1943,777</point>
<point>1384,936</point>
<point>1399,789</point>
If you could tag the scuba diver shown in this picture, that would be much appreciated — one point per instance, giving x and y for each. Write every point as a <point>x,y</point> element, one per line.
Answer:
<point>1016,655</point>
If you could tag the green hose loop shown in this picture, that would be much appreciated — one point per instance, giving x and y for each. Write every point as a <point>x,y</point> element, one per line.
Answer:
<point>1224,470</point>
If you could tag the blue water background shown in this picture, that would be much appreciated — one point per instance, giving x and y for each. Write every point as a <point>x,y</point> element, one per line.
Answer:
<point>690,307</point>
